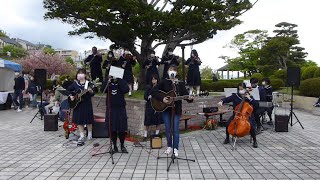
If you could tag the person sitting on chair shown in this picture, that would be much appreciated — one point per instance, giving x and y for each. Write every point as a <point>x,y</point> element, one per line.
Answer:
<point>268,89</point>
<point>236,99</point>
<point>263,98</point>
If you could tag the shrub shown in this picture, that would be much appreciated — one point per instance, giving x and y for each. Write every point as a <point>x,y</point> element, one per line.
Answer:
<point>317,73</point>
<point>310,87</point>
<point>308,72</point>
<point>49,84</point>
<point>281,74</point>
<point>259,76</point>
<point>277,84</point>
<point>273,77</point>
<point>219,85</point>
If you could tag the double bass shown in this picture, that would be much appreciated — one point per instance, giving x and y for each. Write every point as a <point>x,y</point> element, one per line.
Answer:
<point>240,125</point>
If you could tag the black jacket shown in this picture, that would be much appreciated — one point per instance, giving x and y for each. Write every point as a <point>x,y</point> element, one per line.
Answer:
<point>166,86</point>
<point>19,83</point>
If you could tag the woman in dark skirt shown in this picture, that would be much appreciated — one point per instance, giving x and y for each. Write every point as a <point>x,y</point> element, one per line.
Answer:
<point>83,113</point>
<point>151,66</point>
<point>151,117</point>
<point>193,77</point>
<point>127,61</point>
<point>116,106</point>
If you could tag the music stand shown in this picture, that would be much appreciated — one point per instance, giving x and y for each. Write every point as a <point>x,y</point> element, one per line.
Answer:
<point>173,157</point>
<point>40,111</point>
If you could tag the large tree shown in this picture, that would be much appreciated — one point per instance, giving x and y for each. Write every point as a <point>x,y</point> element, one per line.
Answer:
<point>148,23</point>
<point>282,50</point>
<point>248,46</point>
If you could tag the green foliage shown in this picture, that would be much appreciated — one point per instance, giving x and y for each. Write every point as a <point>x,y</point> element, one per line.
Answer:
<point>259,76</point>
<point>70,60</point>
<point>3,34</point>
<point>49,84</point>
<point>15,51</point>
<point>310,87</point>
<point>317,73</point>
<point>308,72</point>
<point>309,63</point>
<point>277,83</point>
<point>48,50</point>
<point>209,85</point>
<point>281,74</point>
<point>136,70</point>
<point>206,72</point>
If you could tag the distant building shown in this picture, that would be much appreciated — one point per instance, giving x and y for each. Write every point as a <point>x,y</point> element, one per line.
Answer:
<point>7,41</point>
<point>26,44</point>
<point>74,55</point>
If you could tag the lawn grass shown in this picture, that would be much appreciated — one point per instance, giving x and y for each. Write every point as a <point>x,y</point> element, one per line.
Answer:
<point>287,90</point>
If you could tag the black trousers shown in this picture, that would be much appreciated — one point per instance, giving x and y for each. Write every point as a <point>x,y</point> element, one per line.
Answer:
<point>121,136</point>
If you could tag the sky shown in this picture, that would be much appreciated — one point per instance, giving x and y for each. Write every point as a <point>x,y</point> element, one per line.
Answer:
<point>24,20</point>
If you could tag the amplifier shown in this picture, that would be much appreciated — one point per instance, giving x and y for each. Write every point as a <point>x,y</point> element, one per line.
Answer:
<point>210,109</point>
<point>281,123</point>
<point>156,142</point>
<point>50,122</point>
<point>99,129</point>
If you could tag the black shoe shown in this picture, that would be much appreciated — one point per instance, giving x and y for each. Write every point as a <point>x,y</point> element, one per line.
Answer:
<point>124,150</point>
<point>144,139</point>
<point>226,141</point>
<point>270,123</point>
<point>114,150</point>
<point>255,144</point>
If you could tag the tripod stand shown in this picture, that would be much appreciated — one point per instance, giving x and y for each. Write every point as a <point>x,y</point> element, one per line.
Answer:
<point>40,110</point>
<point>291,111</point>
<point>172,133</point>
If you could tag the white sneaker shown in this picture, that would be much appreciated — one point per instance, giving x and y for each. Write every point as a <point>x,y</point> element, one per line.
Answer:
<point>129,93</point>
<point>89,137</point>
<point>19,110</point>
<point>81,139</point>
<point>176,152</point>
<point>168,151</point>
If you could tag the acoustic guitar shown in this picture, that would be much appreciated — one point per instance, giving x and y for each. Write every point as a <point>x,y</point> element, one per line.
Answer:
<point>78,98</point>
<point>160,106</point>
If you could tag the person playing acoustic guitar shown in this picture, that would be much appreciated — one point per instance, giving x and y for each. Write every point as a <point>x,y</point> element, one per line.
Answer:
<point>236,99</point>
<point>83,112</point>
<point>166,85</point>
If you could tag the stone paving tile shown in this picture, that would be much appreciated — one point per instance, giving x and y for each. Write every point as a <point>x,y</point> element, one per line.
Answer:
<point>41,155</point>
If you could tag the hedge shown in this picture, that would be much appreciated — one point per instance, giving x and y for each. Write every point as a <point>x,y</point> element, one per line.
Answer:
<point>209,85</point>
<point>281,74</point>
<point>308,72</point>
<point>259,76</point>
<point>310,87</point>
<point>317,73</point>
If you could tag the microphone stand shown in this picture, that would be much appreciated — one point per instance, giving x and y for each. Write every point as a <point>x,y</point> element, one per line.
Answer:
<point>110,149</point>
<point>172,131</point>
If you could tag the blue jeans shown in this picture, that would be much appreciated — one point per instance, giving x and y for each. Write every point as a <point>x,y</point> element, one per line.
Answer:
<point>175,132</point>
<point>34,100</point>
<point>18,94</point>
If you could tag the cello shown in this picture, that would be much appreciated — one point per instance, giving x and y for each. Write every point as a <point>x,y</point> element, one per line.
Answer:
<point>240,125</point>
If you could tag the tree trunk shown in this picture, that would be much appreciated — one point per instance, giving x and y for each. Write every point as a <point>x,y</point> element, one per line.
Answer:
<point>145,47</point>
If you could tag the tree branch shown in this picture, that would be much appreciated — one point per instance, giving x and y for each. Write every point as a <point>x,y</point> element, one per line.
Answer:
<point>155,3</point>
<point>165,4</point>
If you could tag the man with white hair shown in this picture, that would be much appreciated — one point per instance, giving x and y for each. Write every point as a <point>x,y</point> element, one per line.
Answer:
<point>19,86</point>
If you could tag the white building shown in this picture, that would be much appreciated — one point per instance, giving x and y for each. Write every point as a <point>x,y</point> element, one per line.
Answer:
<point>74,55</point>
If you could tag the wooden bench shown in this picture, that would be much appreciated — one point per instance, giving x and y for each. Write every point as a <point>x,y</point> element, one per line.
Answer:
<point>186,118</point>
<point>220,113</point>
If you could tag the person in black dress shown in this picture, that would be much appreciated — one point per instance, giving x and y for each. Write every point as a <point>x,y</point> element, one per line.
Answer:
<point>168,59</point>
<point>236,99</point>
<point>258,111</point>
<point>116,106</point>
<point>268,89</point>
<point>193,77</point>
<point>167,85</point>
<point>151,117</point>
<point>110,61</point>
<point>151,66</point>
<point>83,113</point>
<point>127,61</point>
<point>95,60</point>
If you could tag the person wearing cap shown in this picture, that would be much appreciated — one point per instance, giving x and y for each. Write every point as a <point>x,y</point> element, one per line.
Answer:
<point>167,60</point>
<point>19,86</point>
<point>167,85</point>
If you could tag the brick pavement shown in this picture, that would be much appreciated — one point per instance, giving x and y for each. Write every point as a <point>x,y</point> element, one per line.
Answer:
<point>27,152</point>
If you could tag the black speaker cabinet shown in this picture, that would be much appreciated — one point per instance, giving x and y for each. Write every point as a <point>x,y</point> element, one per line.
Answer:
<point>99,129</point>
<point>293,76</point>
<point>51,122</point>
<point>281,123</point>
<point>210,109</point>
<point>40,77</point>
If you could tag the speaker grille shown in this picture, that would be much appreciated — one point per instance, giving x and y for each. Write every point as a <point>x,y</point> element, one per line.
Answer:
<point>40,77</point>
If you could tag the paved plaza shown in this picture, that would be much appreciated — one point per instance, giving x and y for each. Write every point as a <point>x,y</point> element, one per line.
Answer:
<point>28,152</point>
